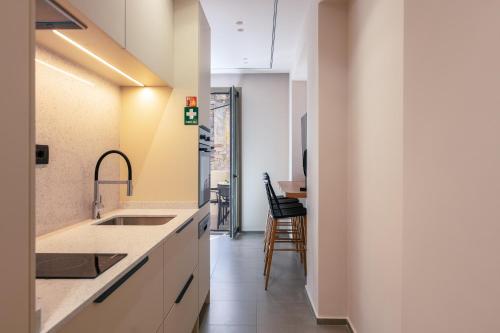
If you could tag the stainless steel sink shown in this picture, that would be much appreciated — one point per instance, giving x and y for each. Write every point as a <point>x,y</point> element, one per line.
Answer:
<point>137,220</point>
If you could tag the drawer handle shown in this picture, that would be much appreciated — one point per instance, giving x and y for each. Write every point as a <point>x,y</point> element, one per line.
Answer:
<point>121,281</point>
<point>203,226</point>
<point>184,226</point>
<point>183,291</point>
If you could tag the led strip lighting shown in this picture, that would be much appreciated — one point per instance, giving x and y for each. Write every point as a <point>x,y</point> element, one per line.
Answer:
<point>57,69</point>
<point>96,57</point>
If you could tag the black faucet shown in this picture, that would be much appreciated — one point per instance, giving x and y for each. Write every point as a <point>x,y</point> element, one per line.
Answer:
<point>97,204</point>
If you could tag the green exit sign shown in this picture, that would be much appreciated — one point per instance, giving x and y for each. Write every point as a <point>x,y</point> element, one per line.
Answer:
<point>191,115</point>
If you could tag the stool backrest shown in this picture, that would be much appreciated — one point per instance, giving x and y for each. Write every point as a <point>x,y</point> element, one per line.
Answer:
<point>271,195</point>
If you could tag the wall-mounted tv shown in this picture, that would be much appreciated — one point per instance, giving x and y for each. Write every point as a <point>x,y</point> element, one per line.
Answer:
<point>303,133</point>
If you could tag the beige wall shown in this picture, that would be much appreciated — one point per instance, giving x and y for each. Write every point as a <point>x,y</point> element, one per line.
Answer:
<point>16,170</point>
<point>376,165</point>
<point>163,151</point>
<point>325,67</point>
<point>423,155</point>
<point>192,55</point>
<point>79,122</point>
<point>204,67</point>
<point>451,270</point>
<point>332,158</point>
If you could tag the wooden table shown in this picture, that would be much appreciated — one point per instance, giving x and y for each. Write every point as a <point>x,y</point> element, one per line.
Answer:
<point>291,189</point>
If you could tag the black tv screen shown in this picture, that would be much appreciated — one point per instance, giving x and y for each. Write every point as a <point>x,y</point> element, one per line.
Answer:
<point>303,130</point>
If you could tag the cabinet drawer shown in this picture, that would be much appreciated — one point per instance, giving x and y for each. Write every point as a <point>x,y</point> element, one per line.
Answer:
<point>180,257</point>
<point>135,307</point>
<point>182,316</point>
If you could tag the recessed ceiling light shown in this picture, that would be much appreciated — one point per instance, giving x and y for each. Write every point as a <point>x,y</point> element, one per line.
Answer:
<point>239,22</point>
<point>241,29</point>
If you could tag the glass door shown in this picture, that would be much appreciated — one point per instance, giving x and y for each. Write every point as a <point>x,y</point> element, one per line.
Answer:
<point>225,160</point>
<point>220,161</point>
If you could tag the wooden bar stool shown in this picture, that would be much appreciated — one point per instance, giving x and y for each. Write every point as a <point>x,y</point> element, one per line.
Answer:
<point>291,231</point>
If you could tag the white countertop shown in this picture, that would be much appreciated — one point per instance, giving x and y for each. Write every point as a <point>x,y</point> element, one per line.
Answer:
<point>61,299</point>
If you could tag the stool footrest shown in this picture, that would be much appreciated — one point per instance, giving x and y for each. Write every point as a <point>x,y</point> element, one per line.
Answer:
<point>294,250</point>
<point>291,230</point>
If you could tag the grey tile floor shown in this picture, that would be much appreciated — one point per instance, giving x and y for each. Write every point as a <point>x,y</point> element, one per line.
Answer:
<point>238,301</point>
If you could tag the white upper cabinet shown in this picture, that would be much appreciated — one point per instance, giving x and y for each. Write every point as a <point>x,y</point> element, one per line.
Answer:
<point>150,34</point>
<point>145,28</point>
<point>109,15</point>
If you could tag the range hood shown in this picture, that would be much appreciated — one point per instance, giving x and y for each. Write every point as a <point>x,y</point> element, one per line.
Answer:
<point>51,15</point>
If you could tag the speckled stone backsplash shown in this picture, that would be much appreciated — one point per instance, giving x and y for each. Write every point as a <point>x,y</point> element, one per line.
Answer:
<point>79,120</point>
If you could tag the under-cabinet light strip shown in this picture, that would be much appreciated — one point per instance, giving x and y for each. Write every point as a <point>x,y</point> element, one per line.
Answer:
<point>59,70</point>
<point>96,57</point>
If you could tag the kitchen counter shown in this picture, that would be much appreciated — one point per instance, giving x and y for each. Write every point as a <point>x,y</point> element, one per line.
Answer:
<point>61,299</point>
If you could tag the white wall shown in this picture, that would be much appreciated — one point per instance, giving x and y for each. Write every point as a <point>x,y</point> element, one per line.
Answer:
<point>298,107</point>
<point>376,165</point>
<point>308,67</point>
<point>265,120</point>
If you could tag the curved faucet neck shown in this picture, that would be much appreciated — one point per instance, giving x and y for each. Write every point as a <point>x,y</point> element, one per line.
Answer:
<point>97,204</point>
<point>109,152</point>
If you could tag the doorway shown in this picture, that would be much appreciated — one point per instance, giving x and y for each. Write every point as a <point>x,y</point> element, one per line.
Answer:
<point>225,161</point>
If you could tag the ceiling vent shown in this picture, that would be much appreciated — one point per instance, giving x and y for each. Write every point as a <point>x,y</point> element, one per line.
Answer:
<point>51,15</point>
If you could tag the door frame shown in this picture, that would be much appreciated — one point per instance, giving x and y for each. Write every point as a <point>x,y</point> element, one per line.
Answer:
<point>236,174</point>
<point>235,181</point>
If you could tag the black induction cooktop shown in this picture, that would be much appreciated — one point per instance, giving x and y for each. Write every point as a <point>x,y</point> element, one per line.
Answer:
<point>74,265</point>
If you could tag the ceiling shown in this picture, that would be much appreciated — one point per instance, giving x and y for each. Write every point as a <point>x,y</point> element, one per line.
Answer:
<point>250,50</point>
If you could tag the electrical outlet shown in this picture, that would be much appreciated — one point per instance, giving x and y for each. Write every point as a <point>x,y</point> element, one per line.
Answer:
<point>42,154</point>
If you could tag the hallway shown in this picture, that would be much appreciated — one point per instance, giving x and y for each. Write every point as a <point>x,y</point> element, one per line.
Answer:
<point>238,301</point>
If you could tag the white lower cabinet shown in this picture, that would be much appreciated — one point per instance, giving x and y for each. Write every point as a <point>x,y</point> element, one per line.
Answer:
<point>161,296</point>
<point>180,260</point>
<point>136,306</point>
<point>183,314</point>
